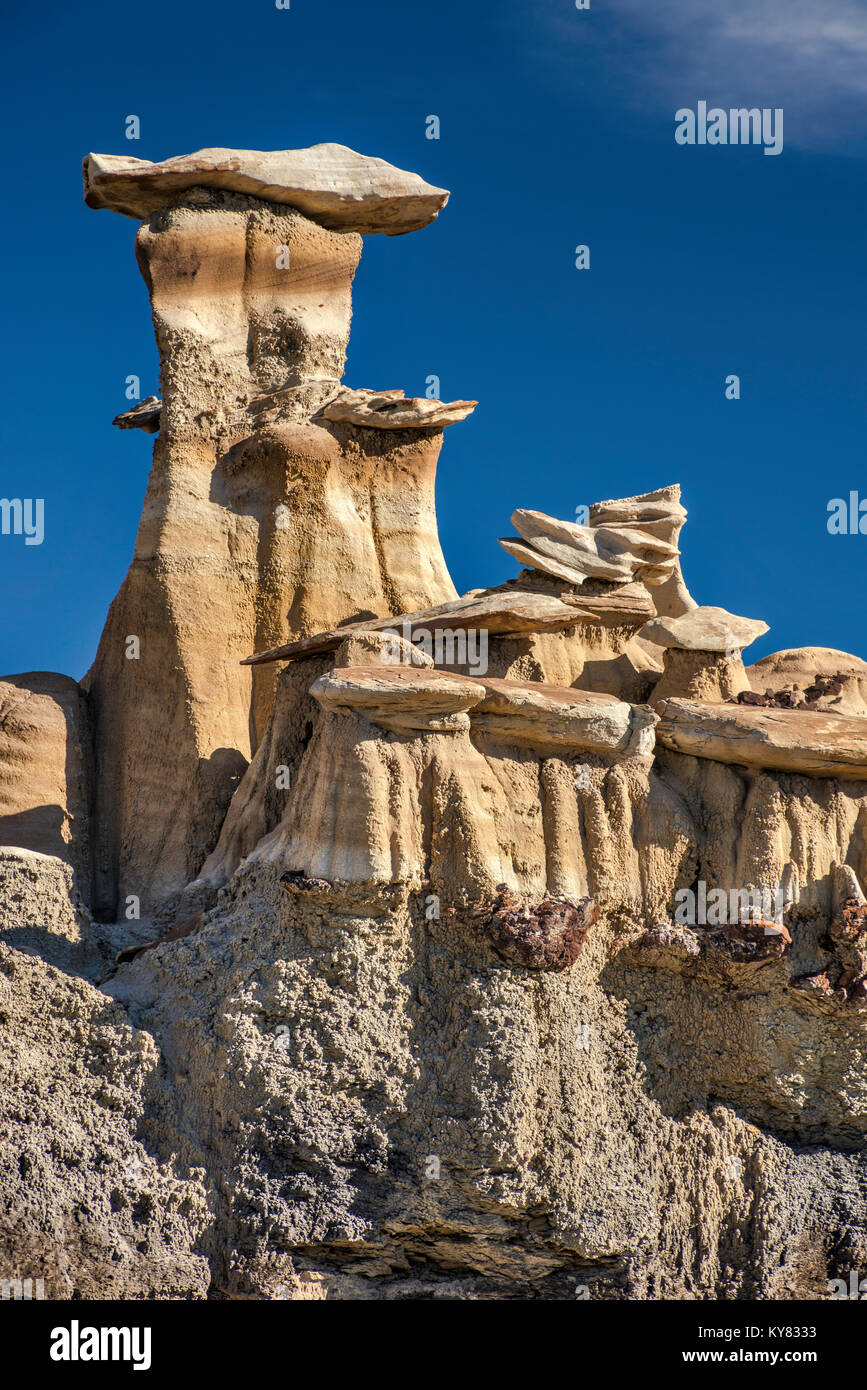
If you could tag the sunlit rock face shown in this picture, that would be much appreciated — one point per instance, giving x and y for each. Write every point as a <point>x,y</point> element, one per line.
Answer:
<point>264,520</point>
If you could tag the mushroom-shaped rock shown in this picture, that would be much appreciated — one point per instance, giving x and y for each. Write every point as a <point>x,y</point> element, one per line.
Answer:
<point>392,410</point>
<point>703,653</point>
<point>249,260</point>
<point>705,629</point>
<point>402,699</point>
<point>331,184</point>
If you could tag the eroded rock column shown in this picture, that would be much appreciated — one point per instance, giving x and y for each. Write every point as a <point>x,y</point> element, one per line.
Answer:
<point>263,520</point>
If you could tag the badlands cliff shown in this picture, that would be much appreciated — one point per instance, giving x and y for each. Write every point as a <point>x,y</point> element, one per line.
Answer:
<point>361,940</point>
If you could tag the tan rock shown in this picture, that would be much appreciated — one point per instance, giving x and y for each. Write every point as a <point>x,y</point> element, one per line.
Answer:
<point>494,611</point>
<point>816,745</point>
<point>259,526</point>
<point>573,552</point>
<point>541,559</point>
<point>220,1118</point>
<point>546,716</point>
<point>369,648</point>
<point>660,514</point>
<point>392,410</point>
<point>637,543</point>
<point>400,698</point>
<point>598,654</point>
<point>705,629</point>
<point>700,675</point>
<point>330,184</point>
<point>44,769</point>
<point>832,680</point>
<point>623,606</point>
<point>260,802</point>
<point>660,511</point>
<point>793,662</point>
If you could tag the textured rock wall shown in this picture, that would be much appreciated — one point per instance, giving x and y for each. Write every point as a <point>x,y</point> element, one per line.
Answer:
<point>590,1127</point>
<point>92,1198</point>
<point>46,768</point>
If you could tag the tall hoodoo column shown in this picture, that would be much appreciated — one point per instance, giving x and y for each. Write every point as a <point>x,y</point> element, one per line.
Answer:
<point>266,518</point>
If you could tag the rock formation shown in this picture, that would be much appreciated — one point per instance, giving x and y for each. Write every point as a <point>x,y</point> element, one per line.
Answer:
<point>330,184</point>
<point>46,768</point>
<point>606,550</point>
<point>495,946</point>
<point>703,653</point>
<point>825,745</point>
<point>266,517</point>
<point>810,677</point>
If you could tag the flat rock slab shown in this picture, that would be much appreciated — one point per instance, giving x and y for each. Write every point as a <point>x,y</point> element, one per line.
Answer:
<point>705,629</point>
<point>800,741</point>
<point>623,605</point>
<point>144,416</point>
<point>497,613</point>
<point>330,184</point>
<point>560,568</point>
<point>646,508</point>
<point>405,699</point>
<point>399,686</point>
<point>523,712</point>
<point>392,410</point>
<point>540,715</point>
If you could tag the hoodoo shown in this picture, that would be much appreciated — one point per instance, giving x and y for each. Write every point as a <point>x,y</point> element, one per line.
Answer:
<point>279,503</point>
<point>356,935</point>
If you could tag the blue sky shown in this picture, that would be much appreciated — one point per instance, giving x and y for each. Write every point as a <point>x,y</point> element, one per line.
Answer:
<point>556,129</point>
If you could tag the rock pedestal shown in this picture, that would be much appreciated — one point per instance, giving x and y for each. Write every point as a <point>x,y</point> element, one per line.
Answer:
<point>703,653</point>
<point>264,520</point>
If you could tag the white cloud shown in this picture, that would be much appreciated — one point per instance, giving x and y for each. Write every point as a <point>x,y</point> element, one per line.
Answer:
<point>808,56</point>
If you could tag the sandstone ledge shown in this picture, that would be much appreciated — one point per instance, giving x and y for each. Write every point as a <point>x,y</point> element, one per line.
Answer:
<point>497,612</point>
<point>331,184</point>
<point>401,698</point>
<point>813,744</point>
<point>392,410</point>
<point>408,699</point>
<point>549,715</point>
